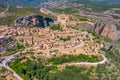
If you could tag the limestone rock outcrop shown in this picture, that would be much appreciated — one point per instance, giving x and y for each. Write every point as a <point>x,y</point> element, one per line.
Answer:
<point>106,29</point>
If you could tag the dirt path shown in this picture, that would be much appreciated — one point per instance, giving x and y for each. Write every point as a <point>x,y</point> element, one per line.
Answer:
<point>3,13</point>
<point>85,63</point>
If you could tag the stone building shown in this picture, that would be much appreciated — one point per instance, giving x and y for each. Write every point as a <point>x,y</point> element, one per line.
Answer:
<point>63,20</point>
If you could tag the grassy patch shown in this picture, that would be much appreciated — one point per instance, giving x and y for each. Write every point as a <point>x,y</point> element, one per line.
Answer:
<point>74,58</point>
<point>20,12</point>
<point>65,39</point>
<point>56,27</point>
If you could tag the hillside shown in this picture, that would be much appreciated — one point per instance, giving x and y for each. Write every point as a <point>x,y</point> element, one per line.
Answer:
<point>14,13</point>
<point>60,39</point>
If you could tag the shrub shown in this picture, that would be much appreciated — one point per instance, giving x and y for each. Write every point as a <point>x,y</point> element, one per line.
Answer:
<point>56,27</point>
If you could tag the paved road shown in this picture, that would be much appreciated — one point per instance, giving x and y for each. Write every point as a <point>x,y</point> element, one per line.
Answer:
<point>5,64</point>
<point>14,73</point>
<point>8,59</point>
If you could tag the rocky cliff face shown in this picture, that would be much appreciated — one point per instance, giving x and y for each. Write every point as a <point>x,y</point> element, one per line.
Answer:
<point>106,29</point>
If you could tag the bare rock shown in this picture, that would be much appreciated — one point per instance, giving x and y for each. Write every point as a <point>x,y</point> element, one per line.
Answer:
<point>106,29</point>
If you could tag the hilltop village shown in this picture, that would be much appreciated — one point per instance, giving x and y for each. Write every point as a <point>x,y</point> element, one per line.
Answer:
<point>47,40</point>
<point>28,40</point>
<point>59,40</point>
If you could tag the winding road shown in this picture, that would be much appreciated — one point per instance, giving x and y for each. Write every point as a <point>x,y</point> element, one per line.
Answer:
<point>5,62</point>
<point>8,59</point>
<point>85,63</point>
